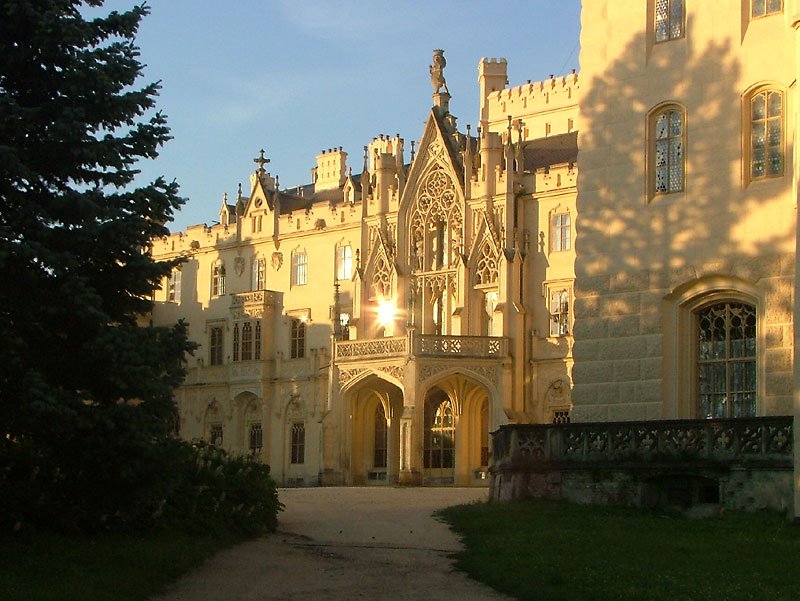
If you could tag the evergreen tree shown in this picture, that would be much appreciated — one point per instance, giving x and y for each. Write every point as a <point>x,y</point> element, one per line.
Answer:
<point>77,361</point>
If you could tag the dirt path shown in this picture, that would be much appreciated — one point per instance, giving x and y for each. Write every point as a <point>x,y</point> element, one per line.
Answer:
<point>344,543</point>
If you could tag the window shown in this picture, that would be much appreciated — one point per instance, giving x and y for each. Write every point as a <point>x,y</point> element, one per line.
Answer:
<point>344,262</point>
<point>762,8</point>
<point>298,339</point>
<point>236,342</point>
<point>669,20</point>
<point>259,273</point>
<point>766,134</point>
<point>379,459</point>
<point>215,437</point>
<point>726,360</point>
<point>217,280</point>
<point>667,167</point>
<point>559,313</point>
<point>344,326</point>
<point>440,437</point>
<point>298,450</point>
<point>215,346</point>
<point>257,342</point>
<point>174,286</point>
<point>247,341</point>
<point>562,232</point>
<point>299,269</point>
<point>256,438</point>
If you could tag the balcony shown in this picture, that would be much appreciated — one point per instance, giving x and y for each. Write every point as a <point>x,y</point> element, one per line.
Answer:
<point>422,345</point>
<point>220,374</point>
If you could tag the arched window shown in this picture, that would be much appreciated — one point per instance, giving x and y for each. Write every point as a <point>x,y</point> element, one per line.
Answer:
<point>440,437</point>
<point>765,124</point>
<point>726,360</point>
<point>381,432</point>
<point>667,162</point>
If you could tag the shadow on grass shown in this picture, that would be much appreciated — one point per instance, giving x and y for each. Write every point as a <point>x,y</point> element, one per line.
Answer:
<point>112,567</point>
<point>554,550</point>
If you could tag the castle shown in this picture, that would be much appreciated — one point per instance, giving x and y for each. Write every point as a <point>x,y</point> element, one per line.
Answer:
<point>607,246</point>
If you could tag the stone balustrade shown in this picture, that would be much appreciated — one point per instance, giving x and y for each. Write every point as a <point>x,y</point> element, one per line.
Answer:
<point>424,345</point>
<point>379,347</point>
<point>743,463</point>
<point>720,441</point>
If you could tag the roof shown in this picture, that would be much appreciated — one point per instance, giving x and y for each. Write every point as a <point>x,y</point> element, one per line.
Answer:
<point>542,153</point>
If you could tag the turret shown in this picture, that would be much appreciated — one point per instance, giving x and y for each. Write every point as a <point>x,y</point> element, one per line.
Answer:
<point>492,76</point>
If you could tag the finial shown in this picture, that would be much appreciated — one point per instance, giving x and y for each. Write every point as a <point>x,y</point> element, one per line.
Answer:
<point>225,197</point>
<point>261,161</point>
<point>239,193</point>
<point>277,183</point>
<point>412,150</point>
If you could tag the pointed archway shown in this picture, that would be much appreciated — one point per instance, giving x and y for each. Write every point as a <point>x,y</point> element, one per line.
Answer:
<point>455,443</point>
<point>373,431</point>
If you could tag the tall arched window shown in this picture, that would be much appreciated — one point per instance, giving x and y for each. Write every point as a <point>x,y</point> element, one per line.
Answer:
<point>381,432</point>
<point>440,437</point>
<point>726,360</point>
<point>667,162</point>
<point>766,138</point>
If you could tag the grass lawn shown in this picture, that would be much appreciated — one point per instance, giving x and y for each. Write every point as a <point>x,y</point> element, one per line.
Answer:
<point>49,567</point>
<point>552,550</point>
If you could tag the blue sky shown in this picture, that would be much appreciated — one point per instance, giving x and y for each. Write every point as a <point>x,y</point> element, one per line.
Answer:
<point>298,76</point>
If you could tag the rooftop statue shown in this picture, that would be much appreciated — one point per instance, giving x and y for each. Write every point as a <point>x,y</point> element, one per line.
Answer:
<point>437,72</point>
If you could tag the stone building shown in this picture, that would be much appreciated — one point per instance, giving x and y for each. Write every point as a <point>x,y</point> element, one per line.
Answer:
<point>375,327</point>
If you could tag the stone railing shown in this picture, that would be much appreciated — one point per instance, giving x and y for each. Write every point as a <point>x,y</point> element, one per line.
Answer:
<point>378,347</point>
<point>747,441</point>
<point>464,346</point>
<point>220,374</point>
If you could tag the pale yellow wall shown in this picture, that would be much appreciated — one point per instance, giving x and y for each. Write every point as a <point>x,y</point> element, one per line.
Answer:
<point>636,250</point>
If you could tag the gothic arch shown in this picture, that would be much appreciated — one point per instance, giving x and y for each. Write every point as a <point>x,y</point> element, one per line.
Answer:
<point>364,373</point>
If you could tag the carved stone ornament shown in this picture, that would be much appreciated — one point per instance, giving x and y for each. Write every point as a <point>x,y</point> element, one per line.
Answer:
<point>238,265</point>
<point>277,260</point>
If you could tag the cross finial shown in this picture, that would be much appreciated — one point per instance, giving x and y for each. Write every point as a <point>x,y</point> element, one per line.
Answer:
<point>261,161</point>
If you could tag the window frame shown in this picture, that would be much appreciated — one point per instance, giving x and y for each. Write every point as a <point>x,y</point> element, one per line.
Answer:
<point>297,443</point>
<point>297,338</point>
<point>679,393</point>
<point>259,274</point>
<point>344,262</point>
<point>748,130</point>
<point>216,345</point>
<point>766,12</point>
<point>670,25</point>
<point>218,279</point>
<point>299,268</point>
<point>560,320</point>
<point>174,286</point>
<point>558,241</point>
<point>728,361</point>
<point>255,434</point>
<point>652,168</point>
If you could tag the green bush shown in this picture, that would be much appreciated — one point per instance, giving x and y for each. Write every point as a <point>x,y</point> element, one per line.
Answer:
<point>106,477</point>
